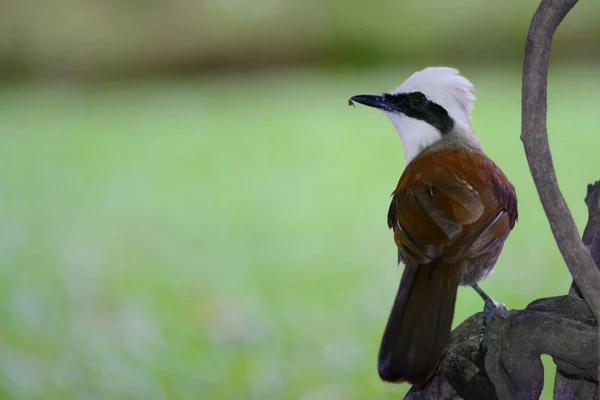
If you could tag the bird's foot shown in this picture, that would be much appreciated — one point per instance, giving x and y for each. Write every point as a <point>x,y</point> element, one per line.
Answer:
<point>489,309</point>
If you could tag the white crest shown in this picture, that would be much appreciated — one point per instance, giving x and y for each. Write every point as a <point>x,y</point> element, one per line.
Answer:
<point>446,87</point>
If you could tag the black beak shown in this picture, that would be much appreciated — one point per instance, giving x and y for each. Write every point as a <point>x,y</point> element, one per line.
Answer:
<point>373,100</point>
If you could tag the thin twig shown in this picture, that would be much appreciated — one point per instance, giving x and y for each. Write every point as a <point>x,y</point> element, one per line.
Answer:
<point>534,135</point>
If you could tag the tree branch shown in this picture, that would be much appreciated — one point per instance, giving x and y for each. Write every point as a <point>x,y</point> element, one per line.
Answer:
<point>534,135</point>
<point>565,386</point>
<point>560,326</point>
<point>591,234</point>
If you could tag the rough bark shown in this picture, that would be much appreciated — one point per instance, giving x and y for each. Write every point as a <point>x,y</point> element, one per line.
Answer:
<point>511,368</point>
<point>567,387</point>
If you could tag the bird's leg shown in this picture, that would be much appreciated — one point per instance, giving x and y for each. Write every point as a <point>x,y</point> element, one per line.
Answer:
<point>488,312</point>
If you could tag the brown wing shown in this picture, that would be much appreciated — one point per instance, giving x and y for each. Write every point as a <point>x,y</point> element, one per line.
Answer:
<point>441,208</point>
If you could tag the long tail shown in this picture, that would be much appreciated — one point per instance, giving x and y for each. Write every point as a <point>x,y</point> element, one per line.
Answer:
<point>419,326</point>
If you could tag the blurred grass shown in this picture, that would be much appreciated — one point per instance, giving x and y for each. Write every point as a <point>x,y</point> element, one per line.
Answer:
<point>224,236</point>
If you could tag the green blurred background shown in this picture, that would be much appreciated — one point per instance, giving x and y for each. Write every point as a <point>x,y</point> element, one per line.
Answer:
<point>190,210</point>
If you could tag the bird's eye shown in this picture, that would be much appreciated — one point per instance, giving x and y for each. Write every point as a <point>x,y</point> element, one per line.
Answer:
<point>417,100</point>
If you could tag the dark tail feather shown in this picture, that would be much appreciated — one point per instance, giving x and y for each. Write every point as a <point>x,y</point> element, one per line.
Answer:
<point>419,326</point>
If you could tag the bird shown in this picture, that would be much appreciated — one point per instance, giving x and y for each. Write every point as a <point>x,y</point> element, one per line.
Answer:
<point>451,213</point>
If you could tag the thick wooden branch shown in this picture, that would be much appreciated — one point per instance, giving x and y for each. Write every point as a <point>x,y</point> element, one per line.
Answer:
<point>591,234</point>
<point>511,368</point>
<point>567,387</point>
<point>534,135</point>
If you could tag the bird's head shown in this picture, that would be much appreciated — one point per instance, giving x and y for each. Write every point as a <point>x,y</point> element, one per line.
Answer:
<point>432,105</point>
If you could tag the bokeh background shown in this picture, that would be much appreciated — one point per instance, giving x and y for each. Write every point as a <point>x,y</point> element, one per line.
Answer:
<point>190,210</point>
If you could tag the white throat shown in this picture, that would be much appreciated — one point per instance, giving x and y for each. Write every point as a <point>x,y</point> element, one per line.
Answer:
<point>417,135</point>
